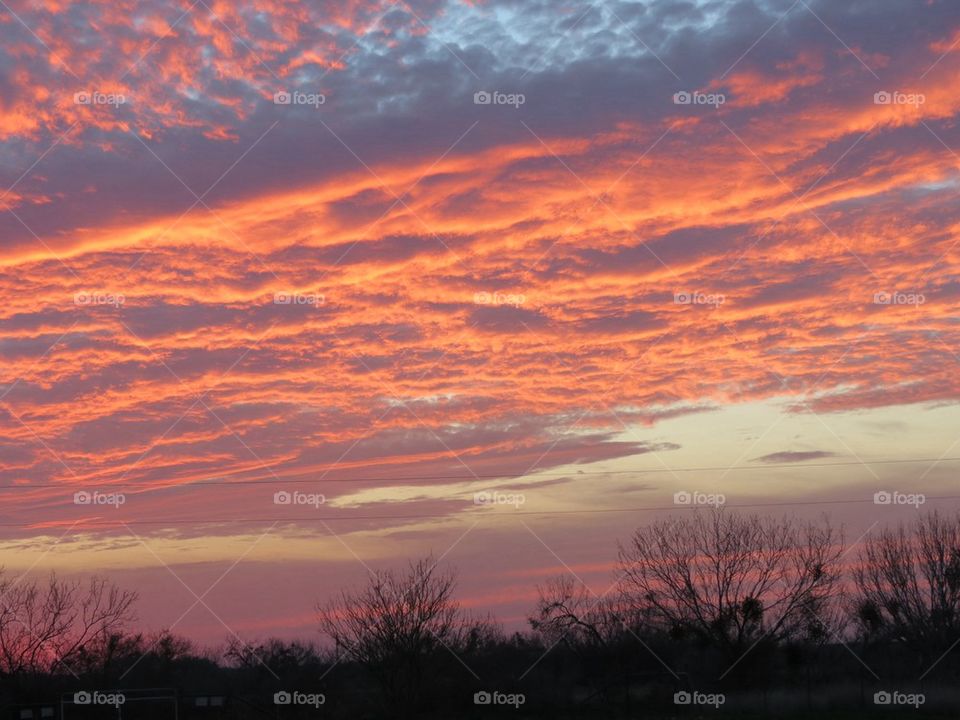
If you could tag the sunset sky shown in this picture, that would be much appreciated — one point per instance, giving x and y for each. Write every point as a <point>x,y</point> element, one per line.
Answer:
<point>576,257</point>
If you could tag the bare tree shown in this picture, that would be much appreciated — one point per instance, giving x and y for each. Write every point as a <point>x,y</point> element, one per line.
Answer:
<point>568,612</point>
<point>395,623</point>
<point>43,627</point>
<point>733,580</point>
<point>908,580</point>
<point>590,627</point>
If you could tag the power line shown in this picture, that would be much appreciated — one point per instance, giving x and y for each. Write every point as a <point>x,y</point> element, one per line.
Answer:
<point>511,513</point>
<point>503,476</point>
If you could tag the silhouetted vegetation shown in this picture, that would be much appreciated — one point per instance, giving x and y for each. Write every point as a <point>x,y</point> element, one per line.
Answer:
<point>740,615</point>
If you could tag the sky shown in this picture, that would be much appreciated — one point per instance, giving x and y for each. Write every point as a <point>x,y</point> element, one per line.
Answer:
<point>296,291</point>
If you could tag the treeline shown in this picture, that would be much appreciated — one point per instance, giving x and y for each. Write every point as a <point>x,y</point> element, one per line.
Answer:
<point>709,612</point>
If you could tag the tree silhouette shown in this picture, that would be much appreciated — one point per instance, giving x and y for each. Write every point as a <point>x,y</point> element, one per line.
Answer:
<point>908,580</point>
<point>45,627</point>
<point>734,580</point>
<point>395,624</point>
